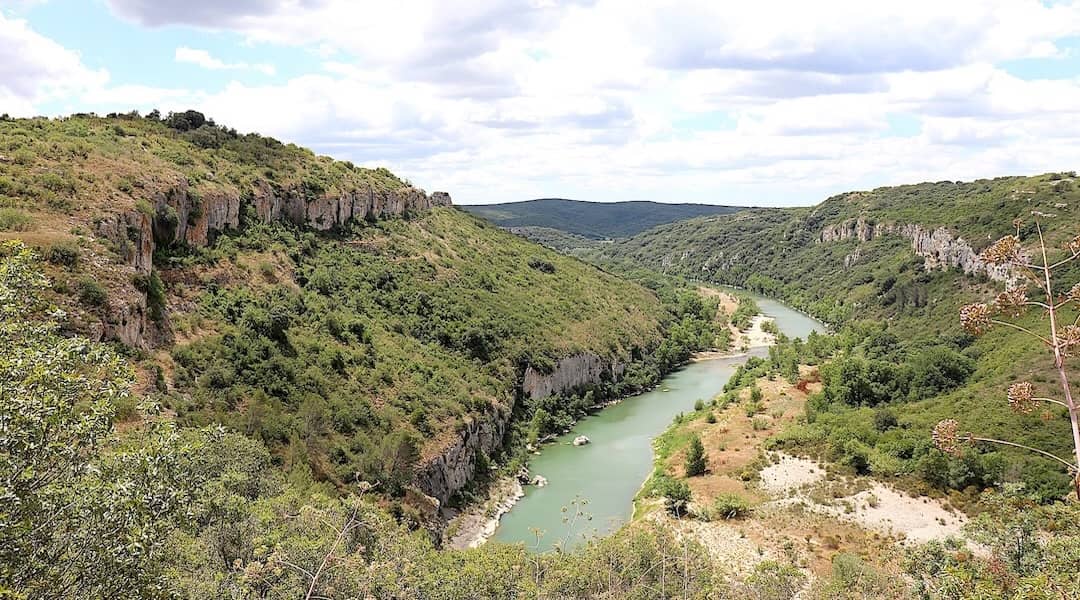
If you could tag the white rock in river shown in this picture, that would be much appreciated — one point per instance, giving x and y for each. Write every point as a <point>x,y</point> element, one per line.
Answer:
<point>539,481</point>
<point>581,440</point>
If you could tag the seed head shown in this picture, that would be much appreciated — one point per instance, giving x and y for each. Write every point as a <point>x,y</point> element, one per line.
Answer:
<point>1069,338</point>
<point>1003,251</point>
<point>1074,293</point>
<point>975,318</point>
<point>945,437</point>
<point>1012,302</point>
<point>1073,245</point>
<point>1021,397</point>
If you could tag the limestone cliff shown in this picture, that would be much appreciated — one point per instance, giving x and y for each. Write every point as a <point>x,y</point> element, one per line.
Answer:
<point>939,247</point>
<point>177,214</point>
<point>453,468</point>
<point>570,373</point>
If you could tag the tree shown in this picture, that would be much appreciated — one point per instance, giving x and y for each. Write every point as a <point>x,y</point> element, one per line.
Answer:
<point>695,458</point>
<point>81,515</point>
<point>1061,340</point>
<point>676,495</point>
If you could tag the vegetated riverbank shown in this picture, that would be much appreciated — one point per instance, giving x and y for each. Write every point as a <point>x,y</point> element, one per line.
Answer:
<point>753,504</point>
<point>479,522</point>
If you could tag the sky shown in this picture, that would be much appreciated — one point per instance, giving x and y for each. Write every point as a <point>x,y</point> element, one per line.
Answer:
<point>715,101</point>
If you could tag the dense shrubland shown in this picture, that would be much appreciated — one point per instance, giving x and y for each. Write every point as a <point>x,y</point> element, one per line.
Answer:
<point>349,355</point>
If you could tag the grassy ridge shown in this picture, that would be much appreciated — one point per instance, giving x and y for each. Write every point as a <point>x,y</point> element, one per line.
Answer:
<point>593,220</point>
<point>357,353</point>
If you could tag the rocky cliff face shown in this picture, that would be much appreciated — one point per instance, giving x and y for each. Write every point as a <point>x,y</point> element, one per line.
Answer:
<point>940,248</point>
<point>570,373</point>
<point>453,468</point>
<point>179,215</point>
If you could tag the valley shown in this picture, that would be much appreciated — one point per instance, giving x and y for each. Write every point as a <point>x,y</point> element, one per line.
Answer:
<point>266,359</point>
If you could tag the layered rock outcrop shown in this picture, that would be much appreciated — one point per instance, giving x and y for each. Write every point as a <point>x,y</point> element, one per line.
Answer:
<point>177,214</point>
<point>940,248</point>
<point>570,373</point>
<point>453,468</point>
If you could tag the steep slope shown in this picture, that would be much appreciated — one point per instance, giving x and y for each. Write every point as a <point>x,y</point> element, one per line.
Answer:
<point>890,268</point>
<point>362,328</point>
<point>593,220</point>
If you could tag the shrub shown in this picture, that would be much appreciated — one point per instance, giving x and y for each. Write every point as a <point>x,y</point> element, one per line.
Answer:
<point>710,417</point>
<point>676,495</point>
<point>92,293</point>
<point>759,424</point>
<point>755,394</point>
<point>541,265</point>
<point>13,219</point>
<point>699,404</point>
<point>730,506</point>
<point>63,253</point>
<point>884,419</point>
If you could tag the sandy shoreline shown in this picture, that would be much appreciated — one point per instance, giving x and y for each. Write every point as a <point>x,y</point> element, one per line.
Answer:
<point>477,523</point>
<point>742,341</point>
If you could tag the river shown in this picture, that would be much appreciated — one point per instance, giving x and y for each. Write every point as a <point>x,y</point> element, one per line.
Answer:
<point>601,479</point>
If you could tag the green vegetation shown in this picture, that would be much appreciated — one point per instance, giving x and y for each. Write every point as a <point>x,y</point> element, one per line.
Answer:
<point>13,219</point>
<point>730,506</point>
<point>695,458</point>
<point>92,293</point>
<point>591,220</point>
<point>409,331</point>
<point>82,162</point>
<point>900,346</point>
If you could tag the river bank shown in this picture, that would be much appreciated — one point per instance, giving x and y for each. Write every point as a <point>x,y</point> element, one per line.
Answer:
<point>602,478</point>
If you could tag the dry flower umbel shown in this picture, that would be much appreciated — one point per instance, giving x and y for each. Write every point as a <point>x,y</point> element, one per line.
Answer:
<point>945,437</point>
<point>975,318</point>
<point>1012,302</point>
<point>1021,397</point>
<point>1003,251</point>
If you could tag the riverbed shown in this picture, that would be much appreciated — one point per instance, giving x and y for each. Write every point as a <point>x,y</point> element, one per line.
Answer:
<point>591,488</point>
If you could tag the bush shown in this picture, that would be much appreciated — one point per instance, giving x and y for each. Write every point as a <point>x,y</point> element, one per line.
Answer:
<point>13,219</point>
<point>676,495</point>
<point>92,293</point>
<point>730,506</point>
<point>541,265</point>
<point>695,458</point>
<point>884,419</point>
<point>63,253</point>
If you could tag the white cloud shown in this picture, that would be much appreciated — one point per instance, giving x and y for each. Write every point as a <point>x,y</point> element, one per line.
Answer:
<point>666,100</point>
<point>35,69</point>
<point>205,60</point>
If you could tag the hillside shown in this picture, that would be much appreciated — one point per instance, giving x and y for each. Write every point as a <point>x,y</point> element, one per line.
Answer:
<point>592,220</point>
<point>890,268</point>
<point>361,328</point>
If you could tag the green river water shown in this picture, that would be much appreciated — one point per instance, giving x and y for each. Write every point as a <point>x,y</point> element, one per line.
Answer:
<point>607,473</point>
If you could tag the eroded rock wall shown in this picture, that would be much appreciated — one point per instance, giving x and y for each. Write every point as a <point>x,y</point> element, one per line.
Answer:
<point>452,469</point>
<point>179,215</point>
<point>939,247</point>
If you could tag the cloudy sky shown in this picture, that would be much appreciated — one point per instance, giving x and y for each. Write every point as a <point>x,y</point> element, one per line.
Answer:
<point>762,103</point>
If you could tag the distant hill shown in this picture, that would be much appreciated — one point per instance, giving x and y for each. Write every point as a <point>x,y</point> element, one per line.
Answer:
<point>594,220</point>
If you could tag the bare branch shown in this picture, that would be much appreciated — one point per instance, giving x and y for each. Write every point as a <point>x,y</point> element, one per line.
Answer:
<point>1023,329</point>
<point>1068,464</point>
